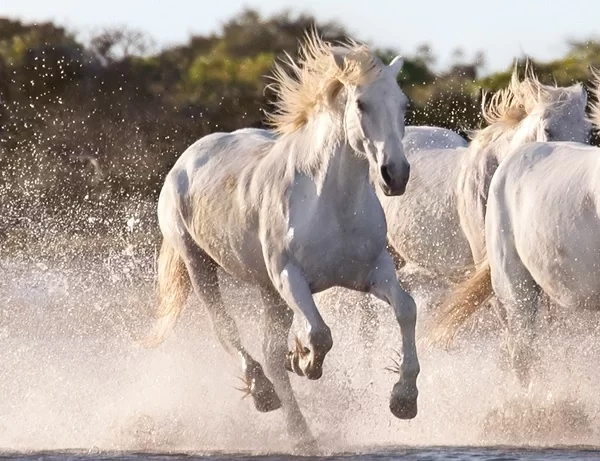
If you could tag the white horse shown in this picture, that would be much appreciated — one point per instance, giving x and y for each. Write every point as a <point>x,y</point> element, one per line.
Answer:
<point>294,212</point>
<point>433,226</point>
<point>438,223</point>
<point>542,233</point>
<point>437,226</point>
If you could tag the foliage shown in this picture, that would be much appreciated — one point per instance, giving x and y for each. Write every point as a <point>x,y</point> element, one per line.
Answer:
<point>101,122</point>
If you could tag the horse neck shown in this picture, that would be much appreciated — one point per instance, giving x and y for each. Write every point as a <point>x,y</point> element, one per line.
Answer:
<point>325,155</point>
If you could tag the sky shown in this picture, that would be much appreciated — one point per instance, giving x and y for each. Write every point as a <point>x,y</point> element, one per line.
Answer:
<point>503,29</point>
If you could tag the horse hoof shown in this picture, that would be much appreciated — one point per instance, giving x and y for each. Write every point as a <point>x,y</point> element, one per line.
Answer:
<point>267,403</point>
<point>403,408</point>
<point>314,373</point>
<point>310,370</point>
<point>266,398</point>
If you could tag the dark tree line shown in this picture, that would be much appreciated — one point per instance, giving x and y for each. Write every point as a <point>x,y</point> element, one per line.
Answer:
<point>89,126</point>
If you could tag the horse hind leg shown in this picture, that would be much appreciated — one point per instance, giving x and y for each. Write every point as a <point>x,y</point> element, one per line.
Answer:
<point>278,321</point>
<point>521,319</point>
<point>520,296</point>
<point>204,278</point>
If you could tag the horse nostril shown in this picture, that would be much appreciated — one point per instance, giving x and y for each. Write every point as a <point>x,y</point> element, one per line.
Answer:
<point>385,175</point>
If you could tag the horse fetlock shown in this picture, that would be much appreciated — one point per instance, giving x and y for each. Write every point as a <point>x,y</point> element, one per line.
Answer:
<point>409,371</point>
<point>292,363</point>
<point>403,401</point>
<point>305,362</point>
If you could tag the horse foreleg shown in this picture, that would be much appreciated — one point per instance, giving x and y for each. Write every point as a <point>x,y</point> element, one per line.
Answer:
<point>278,321</point>
<point>203,275</point>
<point>369,320</point>
<point>384,284</point>
<point>293,288</point>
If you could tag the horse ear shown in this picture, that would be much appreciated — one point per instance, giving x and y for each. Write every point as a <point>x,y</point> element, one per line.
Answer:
<point>396,64</point>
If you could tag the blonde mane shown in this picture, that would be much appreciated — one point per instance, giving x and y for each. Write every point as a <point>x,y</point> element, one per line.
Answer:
<point>596,105</point>
<point>311,84</point>
<point>509,106</point>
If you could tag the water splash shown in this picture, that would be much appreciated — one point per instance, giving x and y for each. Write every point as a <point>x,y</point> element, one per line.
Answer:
<point>73,378</point>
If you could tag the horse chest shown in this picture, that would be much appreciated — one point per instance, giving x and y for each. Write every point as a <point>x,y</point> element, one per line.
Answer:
<point>334,248</point>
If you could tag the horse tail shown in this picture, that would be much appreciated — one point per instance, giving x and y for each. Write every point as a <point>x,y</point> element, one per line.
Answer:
<point>465,299</point>
<point>596,104</point>
<point>173,288</point>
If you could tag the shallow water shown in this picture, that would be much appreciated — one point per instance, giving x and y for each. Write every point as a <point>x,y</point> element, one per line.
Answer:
<point>390,454</point>
<point>72,378</point>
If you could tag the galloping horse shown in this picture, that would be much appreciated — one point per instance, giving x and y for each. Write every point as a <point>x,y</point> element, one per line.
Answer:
<point>542,234</point>
<point>294,212</point>
<point>437,226</point>
<point>438,223</point>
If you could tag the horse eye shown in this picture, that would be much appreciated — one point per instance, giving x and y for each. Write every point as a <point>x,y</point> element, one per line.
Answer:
<point>360,105</point>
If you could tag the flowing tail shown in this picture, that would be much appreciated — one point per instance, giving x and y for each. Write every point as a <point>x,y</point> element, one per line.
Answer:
<point>173,288</point>
<point>596,104</point>
<point>466,299</point>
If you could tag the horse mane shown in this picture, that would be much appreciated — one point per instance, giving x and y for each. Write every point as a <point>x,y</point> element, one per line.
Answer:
<point>595,116</point>
<point>504,107</point>
<point>312,83</point>
<point>509,106</point>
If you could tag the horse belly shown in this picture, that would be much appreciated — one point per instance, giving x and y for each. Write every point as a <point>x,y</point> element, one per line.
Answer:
<point>239,256</point>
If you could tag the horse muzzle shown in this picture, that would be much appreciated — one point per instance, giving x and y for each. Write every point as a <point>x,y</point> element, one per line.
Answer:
<point>393,180</point>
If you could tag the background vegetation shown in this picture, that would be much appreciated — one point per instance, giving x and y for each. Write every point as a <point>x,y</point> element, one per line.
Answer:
<point>89,130</point>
